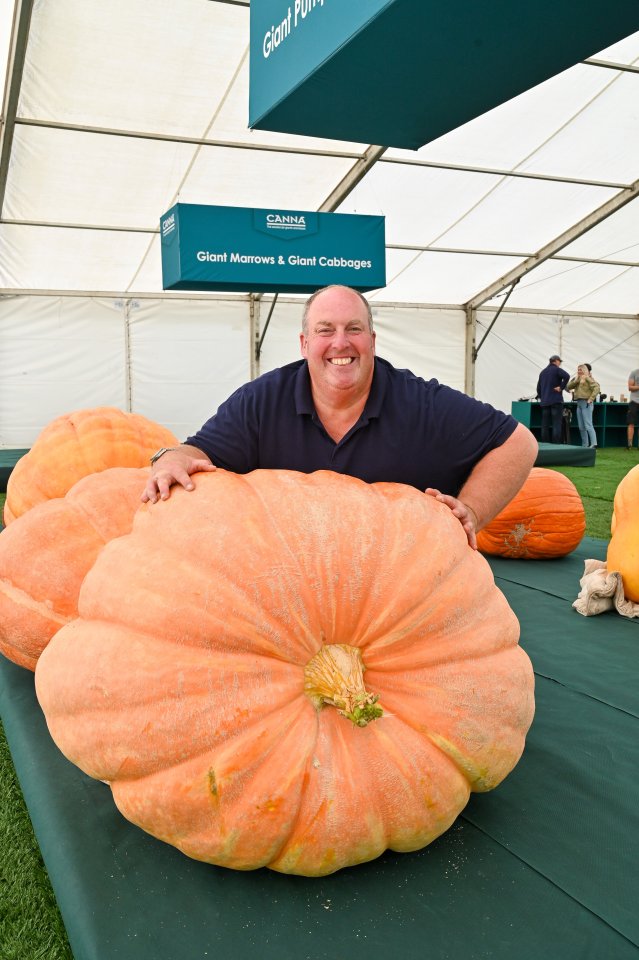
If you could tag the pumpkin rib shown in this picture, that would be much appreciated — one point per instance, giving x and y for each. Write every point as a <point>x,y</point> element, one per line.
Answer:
<point>423,701</point>
<point>129,795</point>
<point>149,657</point>
<point>376,628</point>
<point>401,760</point>
<point>46,553</point>
<point>450,647</point>
<point>380,555</point>
<point>163,556</point>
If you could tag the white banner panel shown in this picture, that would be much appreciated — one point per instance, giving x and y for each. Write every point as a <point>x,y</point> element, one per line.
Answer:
<point>57,355</point>
<point>187,356</point>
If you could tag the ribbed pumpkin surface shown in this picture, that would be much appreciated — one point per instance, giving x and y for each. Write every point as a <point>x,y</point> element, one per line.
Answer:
<point>46,554</point>
<point>545,519</point>
<point>77,444</point>
<point>186,681</point>
<point>623,549</point>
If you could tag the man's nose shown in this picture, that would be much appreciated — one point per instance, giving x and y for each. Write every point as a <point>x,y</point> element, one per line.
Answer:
<point>340,340</point>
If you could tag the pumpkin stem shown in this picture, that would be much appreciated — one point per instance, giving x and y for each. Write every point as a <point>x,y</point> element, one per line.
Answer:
<point>335,677</point>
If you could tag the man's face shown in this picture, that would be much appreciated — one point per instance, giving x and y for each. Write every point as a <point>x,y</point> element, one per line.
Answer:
<point>338,344</point>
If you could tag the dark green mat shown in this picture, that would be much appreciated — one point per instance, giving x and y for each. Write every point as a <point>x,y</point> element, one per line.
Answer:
<point>565,455</point>
<point>546,866</point>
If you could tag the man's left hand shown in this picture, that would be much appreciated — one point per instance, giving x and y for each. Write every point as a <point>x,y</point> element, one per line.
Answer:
<point>464,514</point>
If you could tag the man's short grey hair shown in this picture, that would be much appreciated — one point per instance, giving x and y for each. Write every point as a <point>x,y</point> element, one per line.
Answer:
<point>335,286</point>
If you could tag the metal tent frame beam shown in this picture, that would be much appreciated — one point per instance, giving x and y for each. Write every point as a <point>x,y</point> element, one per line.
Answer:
<point>312,152</point>
<point>558,243</point>
<point>15,67</point>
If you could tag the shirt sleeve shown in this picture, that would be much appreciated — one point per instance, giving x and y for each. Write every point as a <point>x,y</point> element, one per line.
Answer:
<point>230,437</point>
<point>464,431</point>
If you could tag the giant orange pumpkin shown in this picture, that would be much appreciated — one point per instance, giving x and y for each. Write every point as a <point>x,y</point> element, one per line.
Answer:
<point>45,555</point>
<point>545,519</point>
<point>623,549</point>
<point>77,444</point>
<point>292,671</point>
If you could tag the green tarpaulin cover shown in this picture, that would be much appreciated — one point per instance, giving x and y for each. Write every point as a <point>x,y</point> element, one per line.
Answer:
<point>565,455</point>
<point>545,866</point>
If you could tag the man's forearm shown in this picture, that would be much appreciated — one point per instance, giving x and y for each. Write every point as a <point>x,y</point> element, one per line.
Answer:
<point>499,475</point>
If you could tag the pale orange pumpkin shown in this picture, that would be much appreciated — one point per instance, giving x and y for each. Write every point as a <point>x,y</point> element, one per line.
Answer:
<point>77,444</point>
<point>45,555</point>
<point>545,519</point>
<point>291,671</point>
<point>623,549</point>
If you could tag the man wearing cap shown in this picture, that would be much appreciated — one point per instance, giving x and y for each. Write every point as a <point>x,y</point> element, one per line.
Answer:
<point>550,392</point>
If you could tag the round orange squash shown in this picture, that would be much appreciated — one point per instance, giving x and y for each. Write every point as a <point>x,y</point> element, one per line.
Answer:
<point>77,444</point>
<point>545,519</point>
<point>291,671</point>
<point>46,554</point>
<point>623,549</point>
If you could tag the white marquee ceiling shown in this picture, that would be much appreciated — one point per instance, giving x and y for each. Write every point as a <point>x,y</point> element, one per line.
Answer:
<point>123,108</point>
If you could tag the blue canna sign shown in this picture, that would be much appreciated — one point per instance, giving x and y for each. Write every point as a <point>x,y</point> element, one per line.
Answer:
<point>269,250</point>
<point>403,72</point>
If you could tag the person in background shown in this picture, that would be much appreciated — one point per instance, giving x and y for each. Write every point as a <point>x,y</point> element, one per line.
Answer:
<point>550,387</point>
<point>584,390</point>
<point>344,409</point>
<point>633,406</point>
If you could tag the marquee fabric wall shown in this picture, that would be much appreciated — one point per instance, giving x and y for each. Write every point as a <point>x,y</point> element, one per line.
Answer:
<point>176,359</point>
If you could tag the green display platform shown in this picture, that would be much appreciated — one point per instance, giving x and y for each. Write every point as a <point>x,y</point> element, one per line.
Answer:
<point>609,421</point>
<point>8,460</point>
<point>564,455</point>
<point>545,866</point>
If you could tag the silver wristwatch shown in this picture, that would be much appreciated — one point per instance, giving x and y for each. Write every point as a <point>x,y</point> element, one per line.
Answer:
<point>160,453</point>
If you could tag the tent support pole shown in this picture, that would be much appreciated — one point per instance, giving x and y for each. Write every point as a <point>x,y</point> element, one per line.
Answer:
<point>471,332</point>
<point>254,332</point>
<point>15,68</point>
<point>128,385</point>
<point>258,347</point>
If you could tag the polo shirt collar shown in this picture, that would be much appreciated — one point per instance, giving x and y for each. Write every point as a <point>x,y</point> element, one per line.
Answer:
<point>304,398</point>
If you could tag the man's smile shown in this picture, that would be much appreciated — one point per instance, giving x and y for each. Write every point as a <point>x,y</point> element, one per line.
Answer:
<point>341,361</point>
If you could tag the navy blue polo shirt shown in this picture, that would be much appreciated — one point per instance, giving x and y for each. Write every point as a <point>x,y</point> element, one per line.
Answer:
<point>411,431</point>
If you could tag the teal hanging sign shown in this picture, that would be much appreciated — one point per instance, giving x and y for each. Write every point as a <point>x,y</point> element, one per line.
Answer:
<point>403,72</point>
<point>269,250</point>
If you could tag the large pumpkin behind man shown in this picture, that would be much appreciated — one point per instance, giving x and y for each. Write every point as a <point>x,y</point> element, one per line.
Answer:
<point>216,678</point>
<point>75,445</point>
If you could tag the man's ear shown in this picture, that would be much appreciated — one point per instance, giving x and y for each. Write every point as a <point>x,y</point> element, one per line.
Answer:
<point>303,344</point>
<point>374,335</point>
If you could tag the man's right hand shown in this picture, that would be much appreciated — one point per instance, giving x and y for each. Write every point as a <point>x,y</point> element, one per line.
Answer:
<point>175,466</point>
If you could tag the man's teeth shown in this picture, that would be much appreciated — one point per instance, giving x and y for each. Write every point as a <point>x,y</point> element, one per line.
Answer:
<point>340,361</point>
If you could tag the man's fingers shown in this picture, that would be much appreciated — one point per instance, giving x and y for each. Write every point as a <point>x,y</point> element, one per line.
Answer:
<point>198,466</point>
<point>166,475</point>
<point>463,513</point>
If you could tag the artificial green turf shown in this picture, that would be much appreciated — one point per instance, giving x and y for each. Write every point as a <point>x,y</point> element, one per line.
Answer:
<point>30,924</point>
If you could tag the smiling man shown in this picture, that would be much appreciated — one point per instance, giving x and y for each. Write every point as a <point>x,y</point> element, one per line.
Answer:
<point>341,408</point>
